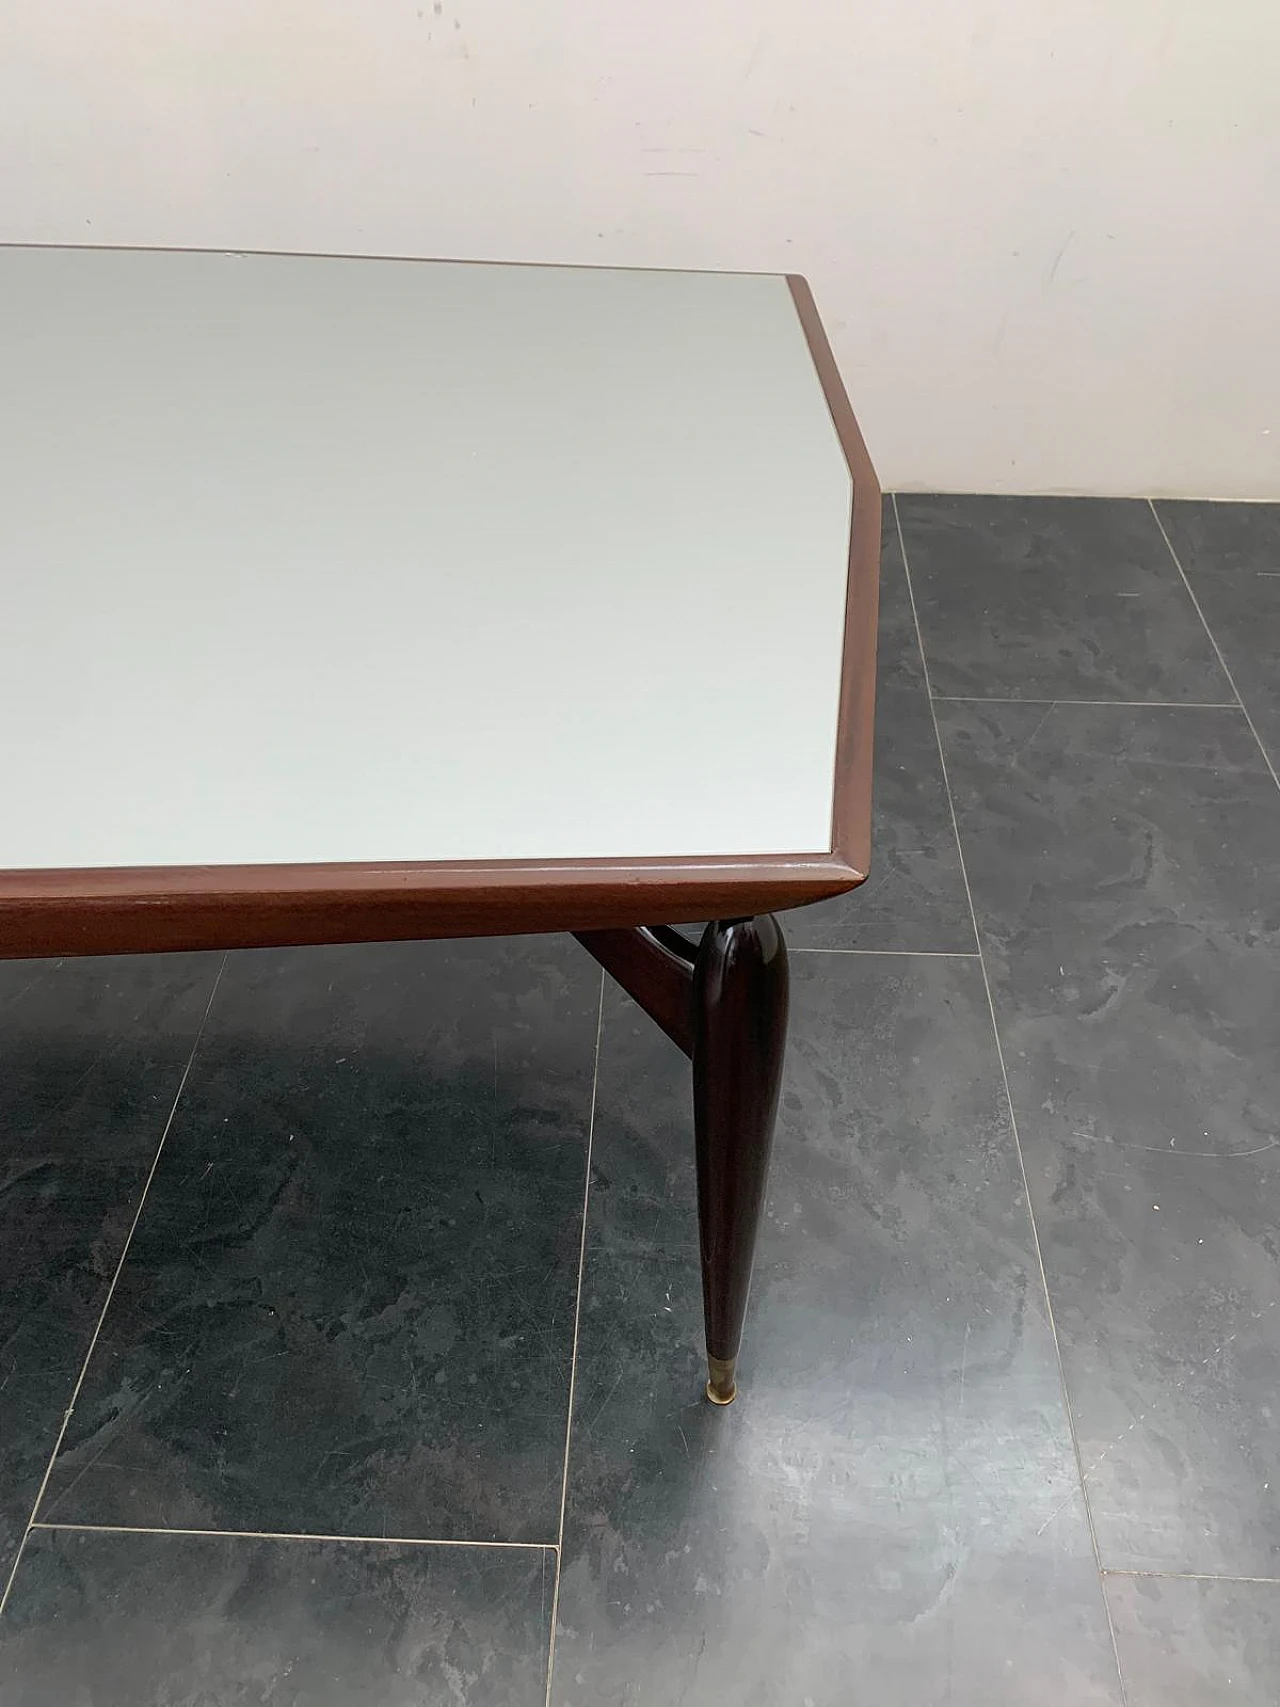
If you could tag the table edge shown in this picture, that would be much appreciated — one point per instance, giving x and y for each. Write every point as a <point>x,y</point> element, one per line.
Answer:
<point>855,736</point>
<point>155,909</point>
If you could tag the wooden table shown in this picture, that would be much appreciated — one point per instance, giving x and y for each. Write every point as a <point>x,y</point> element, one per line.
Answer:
<point>349,600</point>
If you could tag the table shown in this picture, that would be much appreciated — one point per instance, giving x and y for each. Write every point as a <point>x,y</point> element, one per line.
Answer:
<point>352,599</point>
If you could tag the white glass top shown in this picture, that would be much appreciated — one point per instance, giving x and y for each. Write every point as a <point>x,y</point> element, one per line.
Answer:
<point>308,559</point>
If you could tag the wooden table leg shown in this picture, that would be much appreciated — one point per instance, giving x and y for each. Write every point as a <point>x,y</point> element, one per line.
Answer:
<point>725,1005</point>
<point>740,988</point>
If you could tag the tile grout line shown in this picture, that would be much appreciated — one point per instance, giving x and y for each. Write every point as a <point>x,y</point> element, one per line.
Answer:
<point>1188,1576</point>
<point>287,1535</point>
<point>1231,681</point>
<point>1132,704</point>
<point>111,1289</point>
<point>573,1360</point>
<point>901,953</point>
<point>1013,1119</point>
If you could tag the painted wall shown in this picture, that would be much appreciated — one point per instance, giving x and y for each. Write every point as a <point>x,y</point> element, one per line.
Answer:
<point>1043,233</point>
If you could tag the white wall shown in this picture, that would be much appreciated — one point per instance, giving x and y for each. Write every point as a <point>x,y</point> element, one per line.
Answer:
<point>1043,233</point>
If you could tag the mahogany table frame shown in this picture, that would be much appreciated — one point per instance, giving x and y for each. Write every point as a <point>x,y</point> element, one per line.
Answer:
<point>724,1002</point>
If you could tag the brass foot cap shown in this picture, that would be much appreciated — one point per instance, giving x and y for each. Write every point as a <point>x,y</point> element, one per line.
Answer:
<point>722,1389</point>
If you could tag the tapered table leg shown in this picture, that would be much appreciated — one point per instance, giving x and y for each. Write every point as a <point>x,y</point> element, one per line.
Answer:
<point>739,1035</point>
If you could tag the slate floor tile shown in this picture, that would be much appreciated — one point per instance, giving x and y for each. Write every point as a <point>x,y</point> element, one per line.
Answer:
<point>1054,598</point>
<point>91,1057</point>
<point>1197,1643</point>
<point>1123,866</point>
<point>130,1620</point>
<point>348,1306</point>
<point>866,1519</point>
<point>1231,554</point>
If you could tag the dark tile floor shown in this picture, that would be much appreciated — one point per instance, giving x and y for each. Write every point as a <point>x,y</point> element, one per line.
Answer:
<point>301,1324</point>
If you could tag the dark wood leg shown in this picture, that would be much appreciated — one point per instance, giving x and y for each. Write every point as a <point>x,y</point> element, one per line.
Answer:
<point>726,1006</point>
<point>739,1035</point>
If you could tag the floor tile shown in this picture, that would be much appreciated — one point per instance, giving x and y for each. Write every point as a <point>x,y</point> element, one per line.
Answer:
<point>91,1056</point>
<point>1054,598</point>
<point>1231,553</point>
<point>88,1051</point>
<point>914,897</point>
<point>1123,866</point>
<point>866,1519</point>
<point>1197,1644</point>
<point>100,1620</point>
<point>348,1306</point>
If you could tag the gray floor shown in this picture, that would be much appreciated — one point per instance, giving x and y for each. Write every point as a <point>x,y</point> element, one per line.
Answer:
<point>317,1387</point>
